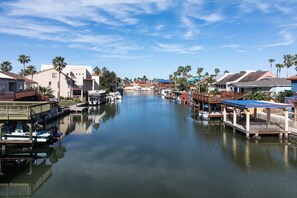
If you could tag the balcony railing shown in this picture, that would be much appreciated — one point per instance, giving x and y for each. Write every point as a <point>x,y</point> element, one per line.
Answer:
<point>13,96</point>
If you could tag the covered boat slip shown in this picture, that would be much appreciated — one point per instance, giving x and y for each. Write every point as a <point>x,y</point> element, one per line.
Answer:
<point>21,111</point>
<point>211,104</point>
<point>242,116</point>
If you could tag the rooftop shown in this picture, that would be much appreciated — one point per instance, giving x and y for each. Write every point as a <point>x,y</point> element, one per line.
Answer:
<point>246,104</point>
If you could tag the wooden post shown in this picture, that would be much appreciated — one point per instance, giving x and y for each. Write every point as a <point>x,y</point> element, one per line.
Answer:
<point>234,116</point>
<point>224,113</point>
<point>268,116</point>
<point>295,111</point>
<point>255,114</point>
<point>1,131</point>
<point>247,127</point>
<point>286,114</point>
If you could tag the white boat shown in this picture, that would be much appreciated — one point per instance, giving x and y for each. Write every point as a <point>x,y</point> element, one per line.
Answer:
<point>115,96</point>
<point>20,132</point>
<point>203,115</point>
<point>96,97</point>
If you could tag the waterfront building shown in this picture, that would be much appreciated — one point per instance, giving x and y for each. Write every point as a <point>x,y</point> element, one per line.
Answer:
<point>293,80</point>
<point>270,85</point>
<point>226,83</point>
<point>50,78</point>
<point>10,82</point>
<point>78,80</point>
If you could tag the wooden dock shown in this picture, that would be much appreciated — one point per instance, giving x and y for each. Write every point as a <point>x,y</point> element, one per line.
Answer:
<point>77,109</point>
<point>16,143</point>
<point>240,118</point>
<point>213,102</point>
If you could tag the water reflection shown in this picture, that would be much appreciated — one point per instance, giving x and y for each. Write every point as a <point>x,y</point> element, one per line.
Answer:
<point>268,154</point>
<point>23,173</point>
<point>84,123</point>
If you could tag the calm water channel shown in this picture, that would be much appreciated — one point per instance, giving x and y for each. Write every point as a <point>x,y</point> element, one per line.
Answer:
<point>149,147</point>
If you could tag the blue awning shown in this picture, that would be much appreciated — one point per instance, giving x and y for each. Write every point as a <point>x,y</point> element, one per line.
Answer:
<point>164,81</point>
<point>246,104</point>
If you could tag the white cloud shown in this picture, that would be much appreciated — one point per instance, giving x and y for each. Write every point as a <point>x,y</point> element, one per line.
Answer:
<point>77,13</point>
<point>176,48</point>
<point>230,46</point>
<point>287,39</point>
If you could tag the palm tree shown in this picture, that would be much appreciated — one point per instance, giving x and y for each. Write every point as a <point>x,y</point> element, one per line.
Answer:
<point>217,71</point>
<point>31,69</point>
<point>278,69</point>
<point>97,70</point>
<point>199,72</point>
<point>288,61</point>
<point>295,61</point>
<point>144,78</point>
<point>104,70</point>
<point>47,91</point>
<point>175,74</point>
<point>271,60</point>
<point>6,66</point>
<point>180,70</point>
<point>187,69</point>
<point>226,72</point>
<point>59,65</point>
<point>209,82</point>
<point>23,59</point>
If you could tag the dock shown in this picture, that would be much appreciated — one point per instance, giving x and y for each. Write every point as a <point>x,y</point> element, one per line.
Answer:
<point>211,104</point>
<point>21,111</point>
<point>240,118</point>
<point>77,109</point>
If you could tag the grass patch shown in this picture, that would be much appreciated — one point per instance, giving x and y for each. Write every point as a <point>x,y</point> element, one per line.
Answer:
<point>67,103</point>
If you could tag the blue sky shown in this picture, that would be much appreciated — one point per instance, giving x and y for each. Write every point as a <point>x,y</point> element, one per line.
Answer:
<point>150,37</point>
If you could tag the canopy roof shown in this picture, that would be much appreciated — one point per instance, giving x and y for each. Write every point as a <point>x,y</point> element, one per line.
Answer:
<point>246,104</point>
<point>165,81</point>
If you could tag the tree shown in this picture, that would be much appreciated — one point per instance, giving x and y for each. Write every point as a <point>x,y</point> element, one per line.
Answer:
<point>23,59</point>
<point>288,61</point>
<point>6,66</point>
<point>47,91</point>
<point>271,60</point>
<point>226,72</point>
<point>278,69</point>
<point>259,95</point>
<point>144,78</point>
<point>175,78</point>
<point>97,70</point>
<point>199,72</point>
<point>59,65</point>
<point>217,71</point>
<point>187,69</point>
<point>295,61</point>
<point>30,70</point>
<point>180,70</point>
<point>209,83</point>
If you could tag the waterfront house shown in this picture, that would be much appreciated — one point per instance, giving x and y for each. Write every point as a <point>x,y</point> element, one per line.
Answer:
<point>13,82</point>
<point>83,77</point>
<point>50,77</point>
<point>271,85</point>
<point>221,84</point>
<point>227,83</point>
<point>164,84</point>
<point>293,80</point>
<point>15,87</point>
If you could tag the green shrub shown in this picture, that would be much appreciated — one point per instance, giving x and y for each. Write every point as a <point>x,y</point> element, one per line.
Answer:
<point>77,100</point>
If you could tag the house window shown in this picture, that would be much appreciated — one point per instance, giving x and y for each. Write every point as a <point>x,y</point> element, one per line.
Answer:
<point>54,75</point>
<point>49,83</point>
